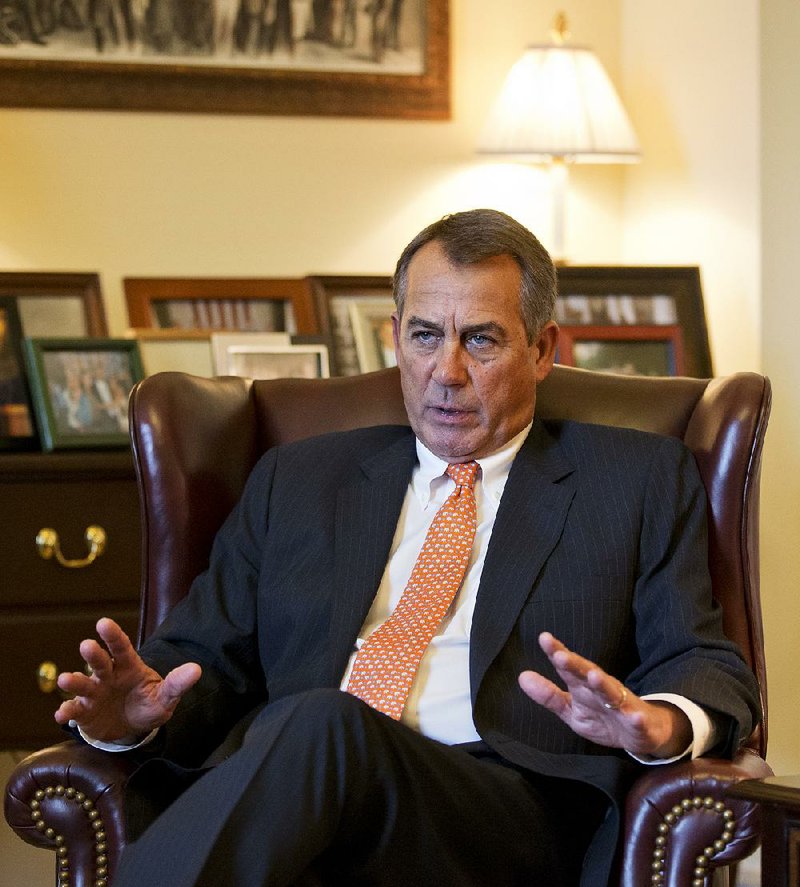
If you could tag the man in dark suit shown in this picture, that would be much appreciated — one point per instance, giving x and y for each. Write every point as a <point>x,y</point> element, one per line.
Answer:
<point>512,752</point>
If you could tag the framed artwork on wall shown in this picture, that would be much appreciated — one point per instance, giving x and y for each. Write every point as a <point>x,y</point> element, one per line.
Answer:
<point>80,390</point>
<point>388,58</point>
<point>640,297</point>
<point>624,349</point>
<point>215,304</point>
<point>69,303</point>
<point>351,309</point>
<point>17,431</point>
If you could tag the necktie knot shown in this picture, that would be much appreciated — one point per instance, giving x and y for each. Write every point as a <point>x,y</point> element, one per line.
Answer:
<point>463,473</point>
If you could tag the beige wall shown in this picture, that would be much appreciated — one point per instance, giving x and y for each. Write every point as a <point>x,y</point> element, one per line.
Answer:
<point>780,122</point>
<point>149,194</point>
<point>139,194</point>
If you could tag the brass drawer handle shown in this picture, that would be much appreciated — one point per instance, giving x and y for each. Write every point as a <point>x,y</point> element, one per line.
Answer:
<point>48,545</point>
<point>46,675</point>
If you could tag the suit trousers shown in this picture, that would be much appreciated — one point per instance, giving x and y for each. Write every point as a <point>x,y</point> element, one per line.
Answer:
<point>326,790</point>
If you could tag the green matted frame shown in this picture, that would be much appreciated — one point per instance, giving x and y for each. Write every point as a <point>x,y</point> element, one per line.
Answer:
<point>80,390</point>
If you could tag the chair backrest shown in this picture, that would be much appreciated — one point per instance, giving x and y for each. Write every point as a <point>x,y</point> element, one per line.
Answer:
<point>195,441</point>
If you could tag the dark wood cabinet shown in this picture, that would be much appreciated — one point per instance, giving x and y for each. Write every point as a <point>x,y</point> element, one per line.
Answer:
<point>46,609</point>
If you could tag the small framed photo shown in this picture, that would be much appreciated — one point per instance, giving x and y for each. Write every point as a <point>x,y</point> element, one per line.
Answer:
<point>337,298</point>
<point>220,304</point>
<point>256,356</point>
<point>80,390</point>
<point>17,430</point>
<point>71,303</point>
<point>639,296</point>
<point>627,350</point>
<point>371,320</point>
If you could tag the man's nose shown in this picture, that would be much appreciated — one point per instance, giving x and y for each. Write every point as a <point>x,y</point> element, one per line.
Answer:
<point>451,365</point>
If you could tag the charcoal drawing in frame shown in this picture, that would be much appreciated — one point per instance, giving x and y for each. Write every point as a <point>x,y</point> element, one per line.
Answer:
<point>17,430</point>
<point>70,303</point>
<point>220,304</point>
<point>639,296</point>
<point>623,349</point>
<point>337,297</point>
<point>389,58</point>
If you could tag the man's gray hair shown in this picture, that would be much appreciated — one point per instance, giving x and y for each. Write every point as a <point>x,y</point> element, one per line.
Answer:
<point>478,234</point>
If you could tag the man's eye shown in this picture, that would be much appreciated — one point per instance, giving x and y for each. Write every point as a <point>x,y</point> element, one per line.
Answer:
<point>423,336</point>
<point>480,340</point>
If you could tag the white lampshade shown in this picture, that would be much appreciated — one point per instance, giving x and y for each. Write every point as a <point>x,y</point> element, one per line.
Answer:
<point>558,102</point>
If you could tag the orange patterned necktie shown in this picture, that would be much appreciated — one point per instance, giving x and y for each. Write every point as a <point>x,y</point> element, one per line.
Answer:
<point>388,660</point>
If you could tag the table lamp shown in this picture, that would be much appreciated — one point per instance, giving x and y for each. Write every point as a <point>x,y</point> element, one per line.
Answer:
<point>558,106</point>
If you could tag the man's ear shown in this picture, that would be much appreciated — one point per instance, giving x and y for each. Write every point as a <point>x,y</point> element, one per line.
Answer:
<point>396,330</point>
<point>546,344</point>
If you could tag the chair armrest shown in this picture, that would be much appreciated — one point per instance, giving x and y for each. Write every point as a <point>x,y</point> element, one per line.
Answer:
<point>680,825</point>
<point>69,798</point>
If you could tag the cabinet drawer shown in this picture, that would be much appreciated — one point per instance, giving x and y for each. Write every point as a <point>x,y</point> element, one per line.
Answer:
<point>69,507</point>
<point>27,641</point>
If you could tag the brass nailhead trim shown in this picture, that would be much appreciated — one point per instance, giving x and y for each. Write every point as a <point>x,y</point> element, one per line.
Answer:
<point>689,805</point>
<point>62,851</point>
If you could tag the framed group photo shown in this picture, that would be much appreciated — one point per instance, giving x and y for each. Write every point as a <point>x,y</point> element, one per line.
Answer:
<point>80,390</point>
<point>221,304</point>
<point>385,58</point>
<point>632,318</point>
<point>355,313</point>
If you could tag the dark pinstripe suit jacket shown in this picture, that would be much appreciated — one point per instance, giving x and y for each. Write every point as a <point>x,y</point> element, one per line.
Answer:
<point>600,537</point>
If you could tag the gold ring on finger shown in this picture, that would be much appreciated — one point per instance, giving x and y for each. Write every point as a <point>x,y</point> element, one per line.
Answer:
<point>615,706</point>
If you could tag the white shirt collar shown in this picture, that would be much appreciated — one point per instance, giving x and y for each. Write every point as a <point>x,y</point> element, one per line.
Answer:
<point>492,476</point>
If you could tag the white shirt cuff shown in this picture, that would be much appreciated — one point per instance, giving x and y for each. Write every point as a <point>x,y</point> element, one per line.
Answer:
<point>703,730</point>
<point>114,746</point>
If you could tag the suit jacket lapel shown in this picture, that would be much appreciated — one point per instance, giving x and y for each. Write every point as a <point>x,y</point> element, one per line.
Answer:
<point>366,518</point>
<point>529,522</point>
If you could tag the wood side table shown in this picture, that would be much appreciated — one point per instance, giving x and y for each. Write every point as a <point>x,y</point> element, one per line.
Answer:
<point>779,799</point>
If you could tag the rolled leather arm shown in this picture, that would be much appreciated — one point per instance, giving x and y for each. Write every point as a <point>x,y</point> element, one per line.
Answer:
<point>68,798</point>
<point>680,825</point>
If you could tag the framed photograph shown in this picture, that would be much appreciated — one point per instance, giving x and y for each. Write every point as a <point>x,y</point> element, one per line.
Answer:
<point>388,58</point>
<point>220,304</point>
<point>336,298</point>
<point>256,356</point>
<point>371,320</point>
<point>183,351</point>
<point>70,303</point>
<point>628,350</point>
<point>17,430</point>
<point>80,390</point>
<point>639,296</point>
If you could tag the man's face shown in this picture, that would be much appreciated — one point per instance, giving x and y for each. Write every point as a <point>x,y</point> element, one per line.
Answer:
<point>468,373</point>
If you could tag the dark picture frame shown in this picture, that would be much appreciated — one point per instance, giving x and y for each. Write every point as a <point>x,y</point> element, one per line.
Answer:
<point>40,80</point>
<point>80,390</point>
<point>639,296</point>
<point>221,304</point>
<point>335,295</point>
<point>17,428</point>
<point>70,302</point>
<point>623,349</point>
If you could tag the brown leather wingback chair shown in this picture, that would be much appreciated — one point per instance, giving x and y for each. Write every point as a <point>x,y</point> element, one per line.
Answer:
<point>195,441</point>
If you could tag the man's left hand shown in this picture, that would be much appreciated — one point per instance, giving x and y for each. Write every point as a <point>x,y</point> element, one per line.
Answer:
<point>598,707</point>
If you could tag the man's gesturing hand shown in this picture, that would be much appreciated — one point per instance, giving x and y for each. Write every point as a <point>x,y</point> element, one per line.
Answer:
<point>598,707</point>
<point>123,699</point>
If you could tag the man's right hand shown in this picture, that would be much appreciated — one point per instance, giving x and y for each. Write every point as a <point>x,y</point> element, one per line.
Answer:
<point>122,699</point>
